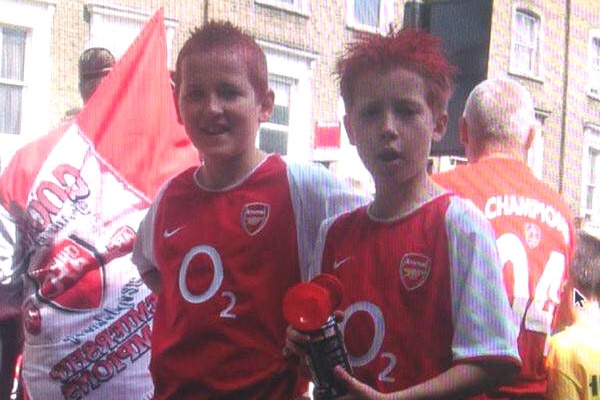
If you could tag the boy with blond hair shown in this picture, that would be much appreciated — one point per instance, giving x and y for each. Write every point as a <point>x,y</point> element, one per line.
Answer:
<point>223,241</point>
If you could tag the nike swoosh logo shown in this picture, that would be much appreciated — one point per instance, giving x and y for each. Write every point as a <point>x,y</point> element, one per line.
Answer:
<point>170,232</point>
<point>337,264</point>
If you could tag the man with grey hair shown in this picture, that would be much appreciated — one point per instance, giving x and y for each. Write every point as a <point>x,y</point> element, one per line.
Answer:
<point>499,118</point>
<point>534,228</point>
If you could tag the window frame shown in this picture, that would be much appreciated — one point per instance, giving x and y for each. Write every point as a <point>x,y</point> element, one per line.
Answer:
<point>36,18</point>
<point>515,66</point>
<point>385,17</point>
<point>591,141</point>
<point>593,87</point>
<point>100,15</point>
<point>296,66</point>
<point>300,7</point>
<point>16,83</point>
<point>272,126</point>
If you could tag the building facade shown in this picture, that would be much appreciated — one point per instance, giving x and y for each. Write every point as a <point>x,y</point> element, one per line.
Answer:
<point>551,46</point>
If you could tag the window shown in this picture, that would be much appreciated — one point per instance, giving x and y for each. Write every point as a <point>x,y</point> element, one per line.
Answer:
<point>296,6</point>
<point>524,58</point>
<point>115,28</point>
<point>290,75</point>
<point>25,42</point>
<point>273,135</point>
<point>369,15</point>
<point>590,196</point>
<point>12,68</point>
<point>594,63</point>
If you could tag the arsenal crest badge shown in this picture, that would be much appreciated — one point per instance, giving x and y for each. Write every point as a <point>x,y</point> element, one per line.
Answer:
<point>72,278</point>
<point>254,217</point>
<point>414,270</point>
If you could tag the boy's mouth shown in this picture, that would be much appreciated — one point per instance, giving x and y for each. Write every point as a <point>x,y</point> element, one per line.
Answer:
<point>388,155</point>
<point>217,129</point>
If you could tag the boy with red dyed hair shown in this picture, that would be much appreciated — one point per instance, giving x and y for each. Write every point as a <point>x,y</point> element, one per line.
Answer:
<point>425,314</point>
<point>223,241</point>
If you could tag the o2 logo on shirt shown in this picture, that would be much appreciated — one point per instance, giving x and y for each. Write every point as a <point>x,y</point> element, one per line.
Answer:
<point>374,316</point>
<point>254,217</point>
<point>414,270</point>
<point>217,279</point>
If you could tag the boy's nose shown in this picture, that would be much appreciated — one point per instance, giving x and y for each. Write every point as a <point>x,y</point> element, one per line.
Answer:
<point>388,124</point>
<point>213,103</point>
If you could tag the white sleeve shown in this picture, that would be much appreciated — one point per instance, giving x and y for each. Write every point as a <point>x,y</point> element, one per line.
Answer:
<point>316,195</point>
<point>143,250</point>
<point>12,266</point>
<point>481,315</point>
<point>316,266</point>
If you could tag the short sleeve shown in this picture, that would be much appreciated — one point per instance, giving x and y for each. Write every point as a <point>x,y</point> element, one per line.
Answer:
<point>143,250</point>
<point>482,317</point>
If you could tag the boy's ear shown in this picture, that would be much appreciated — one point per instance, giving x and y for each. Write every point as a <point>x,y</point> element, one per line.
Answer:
<point>349,130</point>
<point>463,131</point>
<point>176,101</point>
<point>439,130</point>
<point>530,137</point>
<point>266,106</point>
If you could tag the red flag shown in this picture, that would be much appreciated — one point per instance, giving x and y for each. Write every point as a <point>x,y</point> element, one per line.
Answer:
<point>88,182</point>
<point>131,117</point>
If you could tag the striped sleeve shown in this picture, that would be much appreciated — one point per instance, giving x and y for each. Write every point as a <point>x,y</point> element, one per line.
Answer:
<point>482,317</point>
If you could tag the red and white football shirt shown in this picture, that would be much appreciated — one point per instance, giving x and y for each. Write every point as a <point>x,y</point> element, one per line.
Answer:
<point>535,239</point>
<point>226,259</point>
<point>422,292</point>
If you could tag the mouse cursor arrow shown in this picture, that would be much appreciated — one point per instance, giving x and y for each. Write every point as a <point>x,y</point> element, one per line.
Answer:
<point>578,298</point>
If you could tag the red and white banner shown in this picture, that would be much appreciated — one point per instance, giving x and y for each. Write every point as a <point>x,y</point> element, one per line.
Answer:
<point>75,198</point>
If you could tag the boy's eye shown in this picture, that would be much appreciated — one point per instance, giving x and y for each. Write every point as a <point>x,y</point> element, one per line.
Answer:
<point>194,94</point>
<point>229,92</point>
<point>369,111</point>
<point>405,111</point>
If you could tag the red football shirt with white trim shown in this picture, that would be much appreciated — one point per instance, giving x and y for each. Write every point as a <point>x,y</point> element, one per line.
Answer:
<point>226,259</point>
<point>422,292</point>
<point>535,238</point>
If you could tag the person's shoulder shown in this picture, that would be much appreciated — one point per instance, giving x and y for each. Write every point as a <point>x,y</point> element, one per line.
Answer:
<point>459,179</point>
<point>311,176</point>
<point>304,167</point>
<point>346,222</point>
<point>464,215</point>
<point>564,344</point>
<point>460,205</point>
<point>182,181</point>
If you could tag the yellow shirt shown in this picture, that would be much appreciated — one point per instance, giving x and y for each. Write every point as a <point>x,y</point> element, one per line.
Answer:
<point>574,363</point>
